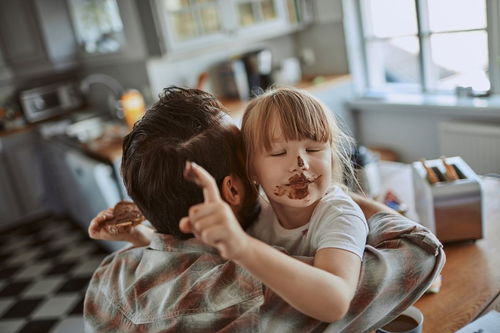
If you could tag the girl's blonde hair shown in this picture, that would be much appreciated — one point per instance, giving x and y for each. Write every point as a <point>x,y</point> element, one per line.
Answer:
<point>300,116</point>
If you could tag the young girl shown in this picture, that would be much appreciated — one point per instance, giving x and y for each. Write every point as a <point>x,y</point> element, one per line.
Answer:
<point>298,154</point>
<point>295,154</point>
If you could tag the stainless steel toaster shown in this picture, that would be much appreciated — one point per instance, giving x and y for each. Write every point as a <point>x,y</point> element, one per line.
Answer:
<point>452,209</point>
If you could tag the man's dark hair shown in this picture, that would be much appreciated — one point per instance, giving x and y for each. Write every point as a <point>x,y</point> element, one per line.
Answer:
<point>184,125</point>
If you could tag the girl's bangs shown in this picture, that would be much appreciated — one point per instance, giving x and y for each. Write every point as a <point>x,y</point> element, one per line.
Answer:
<point>305,122</point>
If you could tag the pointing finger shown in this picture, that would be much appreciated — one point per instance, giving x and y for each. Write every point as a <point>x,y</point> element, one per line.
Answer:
<point>185,225</point>
<point>203,179</point>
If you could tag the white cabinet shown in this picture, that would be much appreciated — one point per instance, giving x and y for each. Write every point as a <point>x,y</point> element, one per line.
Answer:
<point>185,25</point>
<point>5,73</point>
<point>9,209</point>
<point>79,186</point>
<point>260,17</point>
<point>22,43</point>
<point>93,184</point>
<point>92,187</point>
<point>21,173</point>
<point>22,154</point>
<point>36,36</point>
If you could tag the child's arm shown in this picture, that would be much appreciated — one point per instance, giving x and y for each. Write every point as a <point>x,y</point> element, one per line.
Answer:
<point>371,207</point>
<point>138,236</point>
<point>323,292</point>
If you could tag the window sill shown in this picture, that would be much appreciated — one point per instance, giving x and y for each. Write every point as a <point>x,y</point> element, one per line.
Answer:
<point>435,104</point>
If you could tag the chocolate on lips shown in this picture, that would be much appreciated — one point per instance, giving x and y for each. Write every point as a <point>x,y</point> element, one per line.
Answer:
<point>297,187</point>
<point>298,181</point>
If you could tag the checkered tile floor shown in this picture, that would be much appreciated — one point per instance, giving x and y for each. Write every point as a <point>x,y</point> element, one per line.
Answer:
<point>45,267</point>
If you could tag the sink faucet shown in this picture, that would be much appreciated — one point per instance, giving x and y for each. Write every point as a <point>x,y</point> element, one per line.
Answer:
<point>112,84</point>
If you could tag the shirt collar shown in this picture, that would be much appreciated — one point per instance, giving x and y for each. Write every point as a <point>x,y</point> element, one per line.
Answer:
<point>163,242</point>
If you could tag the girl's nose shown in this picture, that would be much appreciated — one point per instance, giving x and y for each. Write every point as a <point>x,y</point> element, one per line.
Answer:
<point>299,165</point>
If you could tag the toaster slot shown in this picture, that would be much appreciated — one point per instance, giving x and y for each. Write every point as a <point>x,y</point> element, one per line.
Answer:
<point>439,174</point>
<point>459,172</point>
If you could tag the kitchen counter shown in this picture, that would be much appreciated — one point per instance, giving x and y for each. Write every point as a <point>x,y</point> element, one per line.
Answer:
<point>236,108</point>
<point>14,131</point>
<point>107,147</point>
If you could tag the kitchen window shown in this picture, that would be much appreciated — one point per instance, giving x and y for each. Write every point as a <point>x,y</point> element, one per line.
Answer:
<point>255,11</point>
<point>194,18</point>
<point>429,46</point>
<point>98,25</point>
<point>188,25</point>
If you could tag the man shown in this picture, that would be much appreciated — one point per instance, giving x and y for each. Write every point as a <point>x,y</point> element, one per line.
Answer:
<point>179,284</point>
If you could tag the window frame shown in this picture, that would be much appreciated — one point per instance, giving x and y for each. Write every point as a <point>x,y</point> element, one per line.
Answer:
<point>356,44</point>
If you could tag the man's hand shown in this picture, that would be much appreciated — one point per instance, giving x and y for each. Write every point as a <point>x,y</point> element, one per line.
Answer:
<point>139,235</point>
<point>213,221</point>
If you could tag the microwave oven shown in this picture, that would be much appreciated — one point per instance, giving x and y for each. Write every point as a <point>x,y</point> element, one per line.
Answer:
<point>51,100</point>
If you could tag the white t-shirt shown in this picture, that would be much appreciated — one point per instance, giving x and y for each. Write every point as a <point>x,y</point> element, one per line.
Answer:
<point>337,221</point>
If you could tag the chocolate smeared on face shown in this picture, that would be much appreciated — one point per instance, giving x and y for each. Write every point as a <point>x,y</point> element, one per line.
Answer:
<point>279,190</point>
<point>297,187</point>
<point>300,162</point>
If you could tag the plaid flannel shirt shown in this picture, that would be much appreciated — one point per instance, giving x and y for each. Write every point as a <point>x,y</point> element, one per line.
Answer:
<point>185,286</point>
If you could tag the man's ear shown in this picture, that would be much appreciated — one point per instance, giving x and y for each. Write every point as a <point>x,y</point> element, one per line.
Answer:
<point>232,190</point>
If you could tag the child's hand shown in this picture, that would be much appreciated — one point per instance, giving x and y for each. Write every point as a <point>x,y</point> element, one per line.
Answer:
<point>98,230</point>
<point>213,221</point>
<point>139,235</point>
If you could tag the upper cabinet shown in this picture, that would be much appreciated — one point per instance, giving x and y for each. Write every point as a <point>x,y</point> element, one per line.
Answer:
<point>260,17</point>
<point>5,74</point>
<point>36,36</point>
<point>187,23</point>
<point>172,26</point>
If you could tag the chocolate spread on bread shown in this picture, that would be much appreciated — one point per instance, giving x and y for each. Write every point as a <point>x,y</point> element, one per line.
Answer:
<point>125,213</point>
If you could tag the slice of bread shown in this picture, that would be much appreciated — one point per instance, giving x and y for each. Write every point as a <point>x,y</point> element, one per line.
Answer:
<point>125,213</point>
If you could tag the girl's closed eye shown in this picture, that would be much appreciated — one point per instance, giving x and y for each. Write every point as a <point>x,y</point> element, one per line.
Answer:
<point>278,153</point>
<point>316,147</point>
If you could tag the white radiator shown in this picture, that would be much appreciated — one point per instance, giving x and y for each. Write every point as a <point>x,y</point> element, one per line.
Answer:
<point>478,144</point>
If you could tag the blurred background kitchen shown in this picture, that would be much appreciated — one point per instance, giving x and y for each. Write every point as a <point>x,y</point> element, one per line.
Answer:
<point>409,79</point>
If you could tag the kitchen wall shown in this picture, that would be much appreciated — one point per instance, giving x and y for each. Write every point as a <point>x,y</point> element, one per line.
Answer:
<point>326,39</point>
<point>163,71</point>
<point>413,130</point>
<point>412,135</point>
